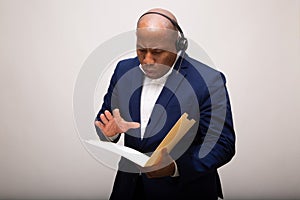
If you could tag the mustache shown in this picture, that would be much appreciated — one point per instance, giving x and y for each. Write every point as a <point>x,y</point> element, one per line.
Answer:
<point>152,65</point>
<point>148,65</point>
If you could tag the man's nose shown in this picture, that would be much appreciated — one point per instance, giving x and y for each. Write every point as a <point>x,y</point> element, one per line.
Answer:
<point>148,59</point>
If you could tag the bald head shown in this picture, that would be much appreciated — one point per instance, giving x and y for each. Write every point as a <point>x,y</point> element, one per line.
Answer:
<point>156,20</point>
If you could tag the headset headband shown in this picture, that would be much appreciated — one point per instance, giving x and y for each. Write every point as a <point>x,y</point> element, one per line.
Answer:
<point>175,24</point>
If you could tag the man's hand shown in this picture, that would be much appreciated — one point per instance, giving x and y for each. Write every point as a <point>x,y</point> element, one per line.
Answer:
<point>165,166</point>
<point>114,124</point>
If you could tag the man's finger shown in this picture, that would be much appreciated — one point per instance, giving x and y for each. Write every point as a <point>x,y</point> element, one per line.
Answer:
<point>116,113</point>
<point>103,119</point>
<point>108,115</point>
<point>99,124</point>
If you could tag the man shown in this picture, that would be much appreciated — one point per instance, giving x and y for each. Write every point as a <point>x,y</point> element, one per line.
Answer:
<point>147,95</point>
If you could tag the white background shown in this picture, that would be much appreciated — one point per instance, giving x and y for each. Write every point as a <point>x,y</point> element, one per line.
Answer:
<point>43,45</point>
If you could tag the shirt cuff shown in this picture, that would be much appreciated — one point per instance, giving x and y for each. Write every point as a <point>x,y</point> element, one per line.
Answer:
<point>176,173</point>
<point>112,138</point>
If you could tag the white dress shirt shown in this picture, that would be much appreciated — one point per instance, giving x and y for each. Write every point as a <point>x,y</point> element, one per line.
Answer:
<point>150,92</point>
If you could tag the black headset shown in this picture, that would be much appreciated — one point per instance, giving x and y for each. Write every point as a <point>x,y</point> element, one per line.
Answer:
<point>181,42</point>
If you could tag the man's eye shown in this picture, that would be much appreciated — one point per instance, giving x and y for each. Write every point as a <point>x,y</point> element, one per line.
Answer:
<point>142,50</point>
<point>157,51</point>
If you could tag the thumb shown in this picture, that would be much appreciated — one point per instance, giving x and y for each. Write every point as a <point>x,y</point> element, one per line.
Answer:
<point>164,157</point>
<point>164,152</point>
<point>133,124</point>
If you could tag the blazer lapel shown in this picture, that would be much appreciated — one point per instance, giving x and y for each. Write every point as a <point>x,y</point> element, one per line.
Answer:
<point>159,111</point>
<point>135,89</point>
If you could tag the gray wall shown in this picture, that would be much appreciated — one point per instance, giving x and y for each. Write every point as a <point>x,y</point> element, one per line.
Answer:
<point>43,45</point>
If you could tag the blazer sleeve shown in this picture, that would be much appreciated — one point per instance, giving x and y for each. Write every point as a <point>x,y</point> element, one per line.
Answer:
<point>217,144</point>
<point>109,103</point>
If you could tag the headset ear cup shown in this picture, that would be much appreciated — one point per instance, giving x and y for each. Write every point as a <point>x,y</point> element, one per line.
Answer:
<point>181,44</point>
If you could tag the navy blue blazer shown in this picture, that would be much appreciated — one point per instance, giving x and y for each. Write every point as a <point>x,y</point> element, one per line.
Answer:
<point>196,89</point>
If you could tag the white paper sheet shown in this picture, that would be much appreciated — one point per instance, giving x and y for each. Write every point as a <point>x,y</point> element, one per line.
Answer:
<point>129,153</point>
